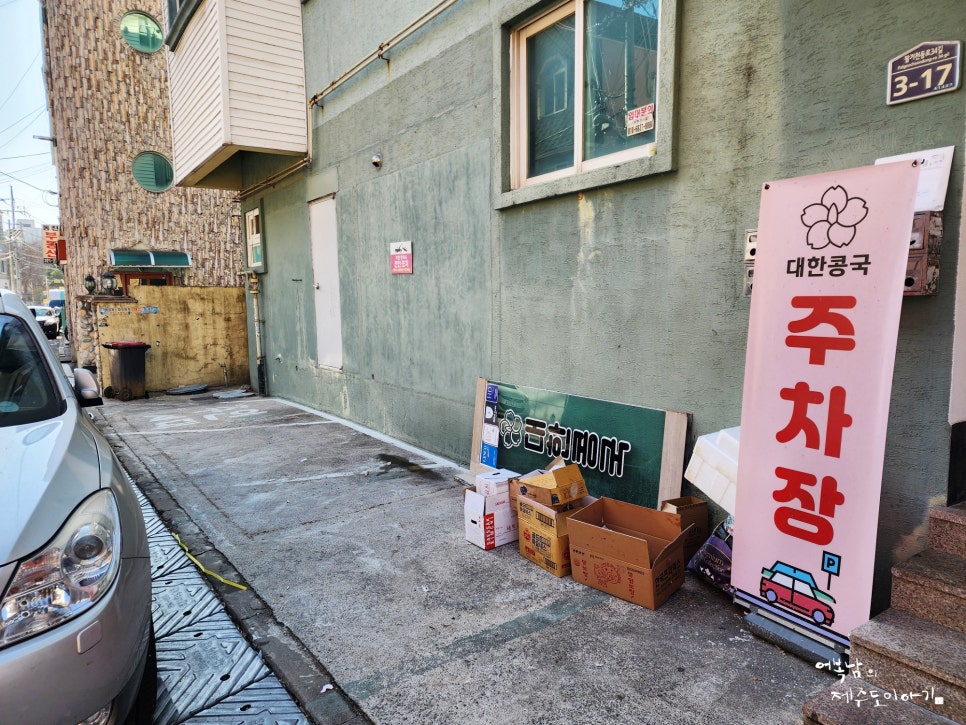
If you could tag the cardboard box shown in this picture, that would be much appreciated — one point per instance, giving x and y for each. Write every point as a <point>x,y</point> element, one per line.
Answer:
<point>551,553</point>
<point>626,550</point>
<point>549,520</point>
<point>489,520</point>
<point>694,513</point>
<point>491,483</point>
<point>554,487</point>
<point>543,533</point>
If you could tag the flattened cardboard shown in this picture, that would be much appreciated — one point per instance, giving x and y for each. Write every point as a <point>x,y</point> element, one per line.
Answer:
<point>626,550</point>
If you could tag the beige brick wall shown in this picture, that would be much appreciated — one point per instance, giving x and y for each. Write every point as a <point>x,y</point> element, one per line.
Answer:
<point>108,103</point>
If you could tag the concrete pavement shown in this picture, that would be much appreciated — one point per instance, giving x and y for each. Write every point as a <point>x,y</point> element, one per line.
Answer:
<point>370,606</point>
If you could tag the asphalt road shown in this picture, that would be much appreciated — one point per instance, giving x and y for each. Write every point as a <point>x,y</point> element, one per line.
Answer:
<point>370,606</point>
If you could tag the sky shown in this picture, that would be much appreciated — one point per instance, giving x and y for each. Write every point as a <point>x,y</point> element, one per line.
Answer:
<point>26,165</point>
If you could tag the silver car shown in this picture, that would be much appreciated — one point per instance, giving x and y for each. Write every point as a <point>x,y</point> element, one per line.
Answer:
<point>76,638</point>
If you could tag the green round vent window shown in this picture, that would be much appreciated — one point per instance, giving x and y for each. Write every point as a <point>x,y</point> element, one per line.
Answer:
<point>152,171</point>
<point>142,32</point>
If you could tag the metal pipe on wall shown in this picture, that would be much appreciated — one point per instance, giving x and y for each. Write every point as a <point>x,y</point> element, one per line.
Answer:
<point>256,314</point>
<point>382,49</point>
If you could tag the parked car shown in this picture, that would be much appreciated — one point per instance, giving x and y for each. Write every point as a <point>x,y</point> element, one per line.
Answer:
<point>49,320</point>
<point>76,636</point>
<point>795,589</point>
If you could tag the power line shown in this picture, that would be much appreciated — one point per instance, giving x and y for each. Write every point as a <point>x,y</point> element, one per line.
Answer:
<point>24,156</point>
<point>36,112</point>
<point>7,99</point>
<point>32,170</point>
<point>21,181</point>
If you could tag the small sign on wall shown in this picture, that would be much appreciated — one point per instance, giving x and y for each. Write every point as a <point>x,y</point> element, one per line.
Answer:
<point>926,70</point>
<point>401,257</point>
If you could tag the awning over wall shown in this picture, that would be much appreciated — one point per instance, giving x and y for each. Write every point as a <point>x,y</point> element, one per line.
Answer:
<point>140,258</point>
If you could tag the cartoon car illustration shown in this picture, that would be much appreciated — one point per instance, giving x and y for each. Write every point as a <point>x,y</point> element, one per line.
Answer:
<point>795,589</point>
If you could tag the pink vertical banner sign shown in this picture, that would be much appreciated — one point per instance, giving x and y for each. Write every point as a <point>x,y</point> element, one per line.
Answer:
<point>829,271</point>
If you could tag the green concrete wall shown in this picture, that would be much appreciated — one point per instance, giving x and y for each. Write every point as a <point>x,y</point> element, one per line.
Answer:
<point>629,292</point>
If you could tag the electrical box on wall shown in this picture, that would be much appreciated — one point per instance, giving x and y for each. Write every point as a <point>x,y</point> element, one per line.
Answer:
<point>751,247</point>
<point>922,269</point>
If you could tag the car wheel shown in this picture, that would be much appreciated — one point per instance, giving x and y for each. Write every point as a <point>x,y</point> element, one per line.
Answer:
<point>143,711</point>
<point>771,596</point>
<point>818,616</point>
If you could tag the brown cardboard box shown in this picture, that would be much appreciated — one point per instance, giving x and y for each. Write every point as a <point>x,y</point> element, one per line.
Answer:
<point>543,534</point>
<point>550,520</point>
<point>515,484</point>
<point>551,553</point>
<point>629,551</point>
<point>555,487</point>
<point>693,512</point>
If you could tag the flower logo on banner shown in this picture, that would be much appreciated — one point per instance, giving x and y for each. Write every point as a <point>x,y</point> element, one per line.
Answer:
<point>833,221</point>
<point>511,427</point>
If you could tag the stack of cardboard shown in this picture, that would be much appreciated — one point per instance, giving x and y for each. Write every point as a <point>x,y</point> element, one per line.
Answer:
<point>543,533</point>
<point>626,550</point>
<point>545,499</point>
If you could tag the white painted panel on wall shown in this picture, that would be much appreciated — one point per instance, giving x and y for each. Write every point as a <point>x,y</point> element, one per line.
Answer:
<point>325,267</point>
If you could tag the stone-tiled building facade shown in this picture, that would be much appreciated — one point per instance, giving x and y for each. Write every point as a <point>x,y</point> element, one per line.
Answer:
<point>107,95</point>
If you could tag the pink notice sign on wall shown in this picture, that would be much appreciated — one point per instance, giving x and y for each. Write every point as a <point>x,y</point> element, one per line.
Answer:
<point>831,259</point>
<point>401,257</point>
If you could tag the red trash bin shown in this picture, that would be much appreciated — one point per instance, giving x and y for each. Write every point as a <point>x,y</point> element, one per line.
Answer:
<point>127,369</point>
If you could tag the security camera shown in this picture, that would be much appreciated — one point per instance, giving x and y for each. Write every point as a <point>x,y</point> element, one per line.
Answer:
<point>377,160</point>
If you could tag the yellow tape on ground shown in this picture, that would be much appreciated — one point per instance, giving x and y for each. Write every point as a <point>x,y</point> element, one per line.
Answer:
<point>198,564</point>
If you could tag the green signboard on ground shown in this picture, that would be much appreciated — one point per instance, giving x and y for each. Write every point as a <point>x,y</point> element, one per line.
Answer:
<point>627,452</point>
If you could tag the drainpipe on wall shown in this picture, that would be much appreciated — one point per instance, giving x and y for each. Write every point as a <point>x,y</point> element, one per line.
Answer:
<point>259,356</point>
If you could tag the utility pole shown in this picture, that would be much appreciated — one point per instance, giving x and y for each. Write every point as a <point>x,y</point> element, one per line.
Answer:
<point>5,256</point>
<point>15,282</point>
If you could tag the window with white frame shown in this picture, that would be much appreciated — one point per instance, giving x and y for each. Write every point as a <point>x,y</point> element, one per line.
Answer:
<point>584,88</point>
<point>253,239</point>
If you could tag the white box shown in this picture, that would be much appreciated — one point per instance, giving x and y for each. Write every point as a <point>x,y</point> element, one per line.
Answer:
<point>489,520</point>
<point>494,482</point>
<point>713,467</point>
<point>728,440</point>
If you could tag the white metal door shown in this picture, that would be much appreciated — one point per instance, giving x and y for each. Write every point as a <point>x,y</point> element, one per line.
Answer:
<point>325,267</point>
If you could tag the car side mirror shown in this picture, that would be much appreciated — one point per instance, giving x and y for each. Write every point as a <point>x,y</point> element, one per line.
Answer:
<point>85,387</point>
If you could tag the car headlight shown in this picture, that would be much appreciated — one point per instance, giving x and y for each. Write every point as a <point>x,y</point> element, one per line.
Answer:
<point>68,576</point>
